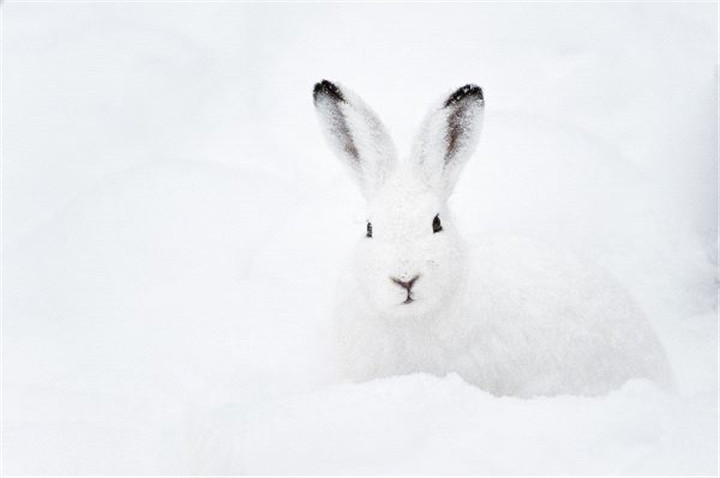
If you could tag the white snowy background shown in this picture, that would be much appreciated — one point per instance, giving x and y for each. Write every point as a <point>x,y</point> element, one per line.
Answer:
<point>172,224</point>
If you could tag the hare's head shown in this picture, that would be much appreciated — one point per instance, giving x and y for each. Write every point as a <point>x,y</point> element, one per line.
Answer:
<point>410,260</point>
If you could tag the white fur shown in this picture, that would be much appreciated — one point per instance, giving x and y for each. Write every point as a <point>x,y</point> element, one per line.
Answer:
<point>509,316</point>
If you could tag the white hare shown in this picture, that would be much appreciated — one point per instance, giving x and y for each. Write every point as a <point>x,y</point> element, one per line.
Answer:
<point>511,319</point>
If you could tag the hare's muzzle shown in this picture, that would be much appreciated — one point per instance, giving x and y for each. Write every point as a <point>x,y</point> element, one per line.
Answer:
<point>407,285</point>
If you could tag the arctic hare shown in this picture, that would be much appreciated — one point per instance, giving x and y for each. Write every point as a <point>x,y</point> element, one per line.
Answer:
<point>512,319</point>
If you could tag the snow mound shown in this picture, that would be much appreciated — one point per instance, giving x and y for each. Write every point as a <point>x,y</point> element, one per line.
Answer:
<point>421,424</point>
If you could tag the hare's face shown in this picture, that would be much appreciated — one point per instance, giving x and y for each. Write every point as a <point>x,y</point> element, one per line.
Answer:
<point>411,259</point>
<point>408,261</point>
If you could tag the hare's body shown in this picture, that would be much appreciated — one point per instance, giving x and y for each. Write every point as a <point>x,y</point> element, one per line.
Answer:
<point>508,316</point>
<point>526,322</point>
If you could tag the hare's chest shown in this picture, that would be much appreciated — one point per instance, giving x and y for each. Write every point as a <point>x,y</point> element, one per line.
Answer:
<point>371,350</point>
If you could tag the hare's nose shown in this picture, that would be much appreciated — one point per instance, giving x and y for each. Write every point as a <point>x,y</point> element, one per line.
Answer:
<point>407,285</point>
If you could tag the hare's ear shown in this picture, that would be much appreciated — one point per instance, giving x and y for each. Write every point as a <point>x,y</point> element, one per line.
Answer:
<point>448,137</point>
<point>355,134</point>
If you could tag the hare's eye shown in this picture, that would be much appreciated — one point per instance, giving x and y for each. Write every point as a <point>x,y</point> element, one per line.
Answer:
<point>369,230</point>
<point>437,226</point>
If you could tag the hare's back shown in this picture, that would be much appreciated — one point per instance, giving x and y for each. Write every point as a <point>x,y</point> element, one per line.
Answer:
<point>552,323</point>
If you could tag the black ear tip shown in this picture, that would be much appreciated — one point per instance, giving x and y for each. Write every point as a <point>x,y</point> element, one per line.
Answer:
<point>463,92</point>
<point>327,88</point>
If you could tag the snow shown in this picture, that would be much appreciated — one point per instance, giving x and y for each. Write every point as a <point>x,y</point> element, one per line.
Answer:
<point>383,427</point>
<point>173,224</point>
